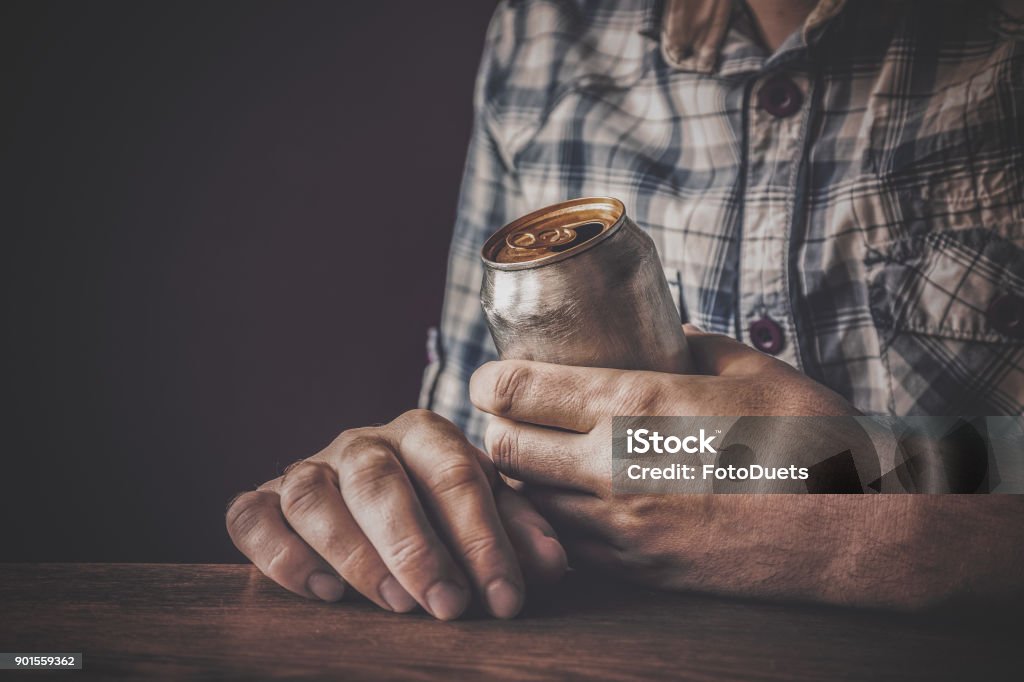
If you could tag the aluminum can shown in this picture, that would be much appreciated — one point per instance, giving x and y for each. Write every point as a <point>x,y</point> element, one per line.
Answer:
<point>578,283</point>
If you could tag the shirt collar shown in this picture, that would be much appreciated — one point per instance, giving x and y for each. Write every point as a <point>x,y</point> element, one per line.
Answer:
<point>693,31</point>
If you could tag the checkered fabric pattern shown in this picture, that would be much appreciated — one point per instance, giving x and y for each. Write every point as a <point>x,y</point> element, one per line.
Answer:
<point>880,225</point>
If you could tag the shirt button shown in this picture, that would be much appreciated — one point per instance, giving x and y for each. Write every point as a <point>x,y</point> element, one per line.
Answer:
<point>1006,315</point>
<point>780,97</point>
<point>766,335</point>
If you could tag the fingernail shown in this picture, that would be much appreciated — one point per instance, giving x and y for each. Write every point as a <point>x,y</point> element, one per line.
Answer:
<point>552,553</point>
<point>446,600</point>
<point>504,598</point>
<point>395,596</point>
<point>546,532</point>
<point>326,586</point>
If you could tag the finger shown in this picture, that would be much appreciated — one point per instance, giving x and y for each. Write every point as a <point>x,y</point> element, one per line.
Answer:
<point>574,514</point>
<point>536,454</point>
<point>541,393</point>
<point>445,467</point>
<point>540,553</point>
<point>258,529</point>
<point>595,554</point>
<point>720,355</point>
<point>312,505</point>
<point>487,466</point>
<point>381,499</point>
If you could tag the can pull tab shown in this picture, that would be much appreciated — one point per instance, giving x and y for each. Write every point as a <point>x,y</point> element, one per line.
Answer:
<point>541,239</point>
<point>532,243</point>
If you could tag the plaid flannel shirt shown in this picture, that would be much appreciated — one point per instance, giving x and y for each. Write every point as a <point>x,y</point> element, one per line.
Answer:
<point>861,188</point>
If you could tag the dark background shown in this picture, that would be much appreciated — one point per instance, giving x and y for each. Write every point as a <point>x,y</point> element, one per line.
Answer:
<point>225,229</point>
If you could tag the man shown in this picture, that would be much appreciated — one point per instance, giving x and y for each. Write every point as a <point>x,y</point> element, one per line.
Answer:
<point>836,190</point>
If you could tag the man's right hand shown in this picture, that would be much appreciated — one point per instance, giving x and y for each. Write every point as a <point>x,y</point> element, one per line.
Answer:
<point>405,513</point>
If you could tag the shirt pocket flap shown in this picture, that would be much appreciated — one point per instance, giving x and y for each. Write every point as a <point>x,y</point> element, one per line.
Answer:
<point>964,284</point>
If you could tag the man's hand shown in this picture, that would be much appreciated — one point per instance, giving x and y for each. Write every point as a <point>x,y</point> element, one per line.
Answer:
<point>552,429</point>
<point>405,513</point>
<point>552,423</point>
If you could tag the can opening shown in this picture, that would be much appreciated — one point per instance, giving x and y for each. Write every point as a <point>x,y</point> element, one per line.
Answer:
<point>584,232</point>
<point>551,233</point>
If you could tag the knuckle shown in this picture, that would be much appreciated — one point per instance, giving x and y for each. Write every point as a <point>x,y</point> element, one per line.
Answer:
<point>619,523</point>
<point>480,548</point>
<point>424,430</point>
<point>245,514</point>
<point>360,449</point>
<point>291,466</point>
<point>639,396</point>
<point>641,507</point>
<point>358,559</point>
<point>303,488</point>
<point>349,436</point>
<point>282,562</point>
<point>418,419</point>
<point>504,448</point>
<point>411,553</point>
<point>623,521</point>
<point>368,473</point>
<point>363,456</point>
<point>426,439</point>
<point>455,478</point>
<point>512,382</point>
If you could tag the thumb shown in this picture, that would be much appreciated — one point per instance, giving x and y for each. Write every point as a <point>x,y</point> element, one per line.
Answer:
<point>720,355</point>
<point>541,555</point>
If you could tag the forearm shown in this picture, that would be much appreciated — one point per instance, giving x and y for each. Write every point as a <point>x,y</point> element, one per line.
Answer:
<point>894,551</point>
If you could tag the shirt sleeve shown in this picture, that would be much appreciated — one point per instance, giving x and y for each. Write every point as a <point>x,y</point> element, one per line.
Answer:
<point>489,198</point>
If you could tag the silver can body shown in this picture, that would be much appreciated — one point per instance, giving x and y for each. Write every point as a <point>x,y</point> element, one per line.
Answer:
<point>602,303</point>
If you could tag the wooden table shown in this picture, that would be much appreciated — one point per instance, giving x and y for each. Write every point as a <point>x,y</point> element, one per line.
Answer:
<point>145,621</point>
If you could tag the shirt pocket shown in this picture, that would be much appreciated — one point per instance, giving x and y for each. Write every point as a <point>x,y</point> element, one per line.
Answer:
<point>949,155</point>
<point>949,311</point>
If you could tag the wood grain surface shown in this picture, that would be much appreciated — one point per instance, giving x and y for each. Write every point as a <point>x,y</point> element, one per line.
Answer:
<point>144,621</point>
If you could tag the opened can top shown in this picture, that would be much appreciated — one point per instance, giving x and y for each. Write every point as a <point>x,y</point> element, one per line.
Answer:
<point>553,233</point>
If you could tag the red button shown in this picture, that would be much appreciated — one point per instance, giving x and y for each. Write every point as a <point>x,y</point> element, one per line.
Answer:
<point>780,97</point>
<point>1006,315</point>
<point>766,335</point>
